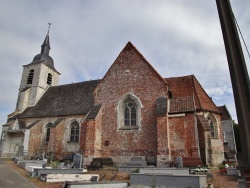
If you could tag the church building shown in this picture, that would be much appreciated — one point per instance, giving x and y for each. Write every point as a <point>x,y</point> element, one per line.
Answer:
<point>131,112</point>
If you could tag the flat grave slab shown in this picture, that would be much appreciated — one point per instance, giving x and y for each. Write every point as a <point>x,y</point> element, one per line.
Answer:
<point>37,171</point>
<point>24,164</point>
<point>31,168</point>
<point>166,180</point>
<point>97,184</point>
<point>69,177</point>
<point>174,171</point>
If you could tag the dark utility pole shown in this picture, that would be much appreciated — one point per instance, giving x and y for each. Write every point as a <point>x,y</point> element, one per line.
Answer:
<point>239,79</point>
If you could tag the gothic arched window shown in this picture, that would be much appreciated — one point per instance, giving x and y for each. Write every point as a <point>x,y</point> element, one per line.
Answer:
<point>74,132</point>
<point>49,79</point>
<point>30,76</point>
<point>130,112</point>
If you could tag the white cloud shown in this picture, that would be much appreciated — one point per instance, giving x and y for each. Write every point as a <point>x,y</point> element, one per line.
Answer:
<point>177,37</point>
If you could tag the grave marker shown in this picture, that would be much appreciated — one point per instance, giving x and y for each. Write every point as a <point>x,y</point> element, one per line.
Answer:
<point>179,162</point>
<point>77,160</point>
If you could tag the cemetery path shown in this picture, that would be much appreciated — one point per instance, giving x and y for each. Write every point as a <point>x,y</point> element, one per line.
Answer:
<point>10,178</point>
<point>223,181</point>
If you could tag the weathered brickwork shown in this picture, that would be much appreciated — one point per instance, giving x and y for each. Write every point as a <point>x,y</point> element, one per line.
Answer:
<point>163,139</point>
<point>183,135</point>
<point>58,144</point>
<point>130,74</point>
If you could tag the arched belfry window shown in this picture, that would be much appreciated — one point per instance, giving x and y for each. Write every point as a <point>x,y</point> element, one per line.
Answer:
<point>30,76</point>
<point>213,126</point>
<point>129,112</point>
<point>74,132</point>
<point>49,79</point>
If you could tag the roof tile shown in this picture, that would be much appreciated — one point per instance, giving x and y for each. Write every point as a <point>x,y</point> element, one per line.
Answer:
<point>182,104</point>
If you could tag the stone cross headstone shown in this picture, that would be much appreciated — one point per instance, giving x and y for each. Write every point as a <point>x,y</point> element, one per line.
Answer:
<point>179,162</point>
<point>77,160</point>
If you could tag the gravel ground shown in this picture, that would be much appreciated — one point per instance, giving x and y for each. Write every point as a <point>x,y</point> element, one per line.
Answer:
<point>218,180</point>
<point>222,181</point>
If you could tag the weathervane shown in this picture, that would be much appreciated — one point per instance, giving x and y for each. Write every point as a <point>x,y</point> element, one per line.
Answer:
<point>49,27</point>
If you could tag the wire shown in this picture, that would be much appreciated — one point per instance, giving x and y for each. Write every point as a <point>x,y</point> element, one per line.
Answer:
<point>241,35</point>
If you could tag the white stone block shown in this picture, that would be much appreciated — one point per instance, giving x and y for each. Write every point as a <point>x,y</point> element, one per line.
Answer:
<point>69,177</point>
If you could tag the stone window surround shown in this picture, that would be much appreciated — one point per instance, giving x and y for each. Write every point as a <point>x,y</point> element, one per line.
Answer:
<point>121,109</point>
<point>68,132</point>
<point>212,119</point>
<point>72,123</point>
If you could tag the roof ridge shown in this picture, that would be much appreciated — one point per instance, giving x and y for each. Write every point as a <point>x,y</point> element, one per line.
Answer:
<point>64,85</point>
<point>180,76</point>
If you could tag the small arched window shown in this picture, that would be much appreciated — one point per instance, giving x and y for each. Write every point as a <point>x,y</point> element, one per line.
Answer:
<point>30,76</point>
<point>74,132</point>
<point>47,132</point>
<point>49,79</point>
<point>130,112</point>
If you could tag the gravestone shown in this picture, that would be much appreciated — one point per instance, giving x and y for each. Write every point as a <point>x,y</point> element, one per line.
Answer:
<point>179,162</point>
<point>100,162</point>
<point>136,161</point>
<point>77,160</point>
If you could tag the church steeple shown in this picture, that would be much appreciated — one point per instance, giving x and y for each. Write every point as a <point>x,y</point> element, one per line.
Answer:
<point>37,77</point>
<point>46,46</point>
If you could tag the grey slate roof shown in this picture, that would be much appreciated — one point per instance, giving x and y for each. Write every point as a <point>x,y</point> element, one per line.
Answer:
<point>71,99</point>
<point>57,122</point>
<point>33,124</point>
<point>22,124</point>
<point>182,104</point>
<point>94,111</point>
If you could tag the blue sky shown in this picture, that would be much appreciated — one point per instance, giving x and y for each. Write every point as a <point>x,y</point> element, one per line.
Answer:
<point>177,37</point>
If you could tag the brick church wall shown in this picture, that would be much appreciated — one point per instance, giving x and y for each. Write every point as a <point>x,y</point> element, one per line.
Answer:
<point>163,150</point>
<point>183,135</point>
<point>58,144</point>
<point>130,74</point>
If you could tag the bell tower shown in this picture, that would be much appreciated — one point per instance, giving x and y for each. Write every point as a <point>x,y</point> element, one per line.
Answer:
<point>37,77</point>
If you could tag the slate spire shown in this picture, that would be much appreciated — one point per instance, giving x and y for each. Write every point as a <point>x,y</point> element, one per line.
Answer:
<point>46,46</point>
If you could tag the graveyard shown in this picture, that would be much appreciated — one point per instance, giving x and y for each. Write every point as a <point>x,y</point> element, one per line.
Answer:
<point>102,172</point>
